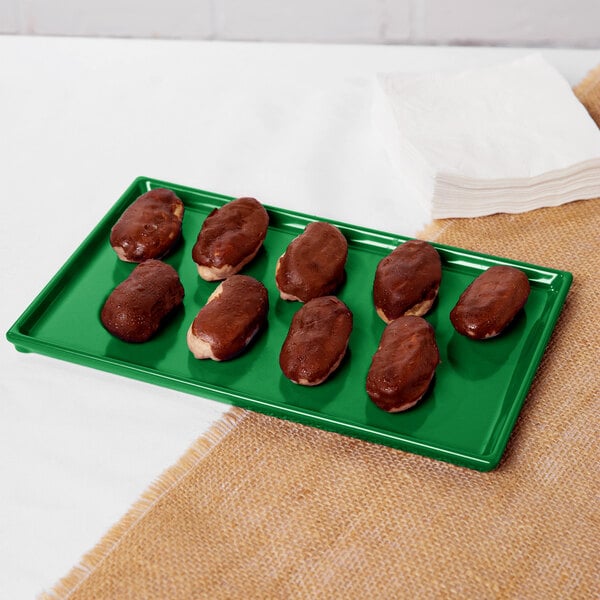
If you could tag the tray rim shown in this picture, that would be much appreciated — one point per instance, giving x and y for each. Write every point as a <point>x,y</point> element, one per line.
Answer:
<point>24,342</point>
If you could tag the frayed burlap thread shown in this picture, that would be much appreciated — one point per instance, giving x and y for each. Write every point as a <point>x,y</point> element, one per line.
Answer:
<point>264,508</point>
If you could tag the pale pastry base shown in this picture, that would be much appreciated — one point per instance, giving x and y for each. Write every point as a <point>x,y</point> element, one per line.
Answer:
<point>200,348</point>
<point>220,273</point>
<point>121,254</point>
<point>418,310</point>
<point>285,295</point>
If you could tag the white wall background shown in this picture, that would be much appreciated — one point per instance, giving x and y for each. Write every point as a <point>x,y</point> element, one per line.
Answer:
<point>573,23</point>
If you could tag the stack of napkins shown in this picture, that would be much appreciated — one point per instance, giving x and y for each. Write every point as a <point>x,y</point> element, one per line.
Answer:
<point>505,138</point>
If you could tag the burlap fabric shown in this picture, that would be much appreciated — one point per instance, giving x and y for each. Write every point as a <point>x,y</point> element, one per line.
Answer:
<point>264,508</point>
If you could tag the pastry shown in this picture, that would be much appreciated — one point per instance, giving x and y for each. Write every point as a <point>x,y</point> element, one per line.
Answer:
<point>149,227</point>
<point>490,302</point>
<point>316,341</point>
<point>407,280</point>
<point>232,316</point>
<point>136,308</point>
<point>313,264</point>
<point>230,238</point>
<point>403,365</point>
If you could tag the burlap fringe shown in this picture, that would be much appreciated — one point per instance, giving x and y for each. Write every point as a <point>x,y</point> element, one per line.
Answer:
<point>157,489</point>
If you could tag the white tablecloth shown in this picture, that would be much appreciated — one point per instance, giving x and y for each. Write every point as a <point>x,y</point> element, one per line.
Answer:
<point>79,120</point>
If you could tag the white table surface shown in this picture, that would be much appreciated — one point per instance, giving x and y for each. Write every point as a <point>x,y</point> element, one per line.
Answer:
<point>79,120</point>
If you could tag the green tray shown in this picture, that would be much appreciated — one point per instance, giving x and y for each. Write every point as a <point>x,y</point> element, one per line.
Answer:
<point>466,418</point>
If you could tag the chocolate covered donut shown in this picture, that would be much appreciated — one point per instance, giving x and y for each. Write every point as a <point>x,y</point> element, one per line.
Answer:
<point>403,365</point>
<point>232,316</point>
<point>407,280</point>
<point>316,341</point>
<point>136,308</point>
<point>313,263</point>
<point>149,227</point>
<point>230,238</point>
<point>490,302</point>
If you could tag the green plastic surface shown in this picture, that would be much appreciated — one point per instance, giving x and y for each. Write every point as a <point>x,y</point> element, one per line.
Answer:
<point>465,418</point>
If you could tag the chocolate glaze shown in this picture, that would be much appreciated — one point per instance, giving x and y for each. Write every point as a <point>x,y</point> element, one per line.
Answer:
<point>136,307</point>
<point>149,227</point>
<point>231,233</point>
<point>230,320</point>
<point>408,276</point>
<point>313,264</point>
<point>403,365</point>
<point>316,341</point>
<point>491,302</point>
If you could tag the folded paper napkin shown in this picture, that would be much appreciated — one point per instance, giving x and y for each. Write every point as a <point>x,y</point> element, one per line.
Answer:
<point>507,138</point>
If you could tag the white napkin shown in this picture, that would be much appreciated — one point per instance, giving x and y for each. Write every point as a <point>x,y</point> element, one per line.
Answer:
<point>506,138</point>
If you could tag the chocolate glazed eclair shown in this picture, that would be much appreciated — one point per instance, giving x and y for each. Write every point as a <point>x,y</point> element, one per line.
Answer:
<point>407,280</point>
<point>491,302</point>
<point>149,227</point>
<point>136,308</point>
<point>316,341</point>
<point>231,318</point>
<point>403,365</point>
<point>230,238</point>
<point>313,264</point>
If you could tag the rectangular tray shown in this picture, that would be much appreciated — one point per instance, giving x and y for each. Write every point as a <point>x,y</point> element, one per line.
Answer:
<point>466,418</point>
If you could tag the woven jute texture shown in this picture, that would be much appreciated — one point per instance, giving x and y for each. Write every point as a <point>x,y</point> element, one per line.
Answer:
<point>588,92</point>
<point>264,508</point>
